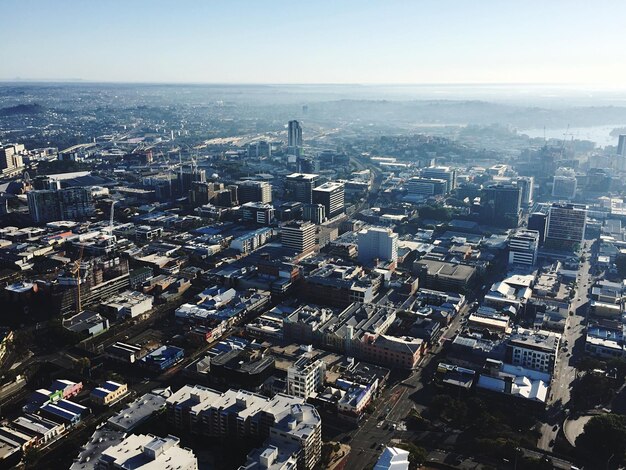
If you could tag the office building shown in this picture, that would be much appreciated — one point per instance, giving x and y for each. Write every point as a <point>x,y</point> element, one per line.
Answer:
<point>316,213</point>
<point>537,221</point>
<point>145,451</point>
<point>523,247</point>
<point>299,187</point>
<point>11,161</point>
<point>501,205</point>
<point>331,196</point>
<point>254,191</point>
<point>445,173</point>
<point>565,184</point>
<point>621,145</point>
<point>305,377</point>
<point>257,213</point>
<point>426,186</point>
<point>566,225</point>
<point>64,204</point>
<point>294,137</point>
<point>377,243</point>
<point>260,149</point>
<point>187,176</point>
<point>298,236</point>
<point>284,421</point>
<point>526,184</point>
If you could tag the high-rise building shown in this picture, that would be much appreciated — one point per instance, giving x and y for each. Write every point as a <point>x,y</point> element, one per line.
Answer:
<point>426,186</point>
<point>526,183</point>
<point>621,145</point>
<point>316,213</point>
<point>254,191</point>
<point>537,221</point>
<point>566,225</point>
<point>201,193</point>
<point>187,177</point>
<point>377,243</point>
<point>11,158</point>
<point>501,205</point>
<point>331,196</point>
<point>445,173</point>
<point>298,236</point>
<point>294,135</point>
<point>305,377</point>
<point>257,212</point>
<point>565,184</point>
<point>63,204</point>
<point>299,187</point>
<point>523,247</point>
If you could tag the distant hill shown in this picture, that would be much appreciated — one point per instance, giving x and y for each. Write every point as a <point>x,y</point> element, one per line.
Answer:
<point>33,108</point>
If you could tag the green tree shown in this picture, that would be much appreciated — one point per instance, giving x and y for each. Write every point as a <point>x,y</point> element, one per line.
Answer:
<point>603,440</point>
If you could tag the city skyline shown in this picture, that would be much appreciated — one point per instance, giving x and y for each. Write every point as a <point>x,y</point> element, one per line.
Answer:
<point>336,43</point>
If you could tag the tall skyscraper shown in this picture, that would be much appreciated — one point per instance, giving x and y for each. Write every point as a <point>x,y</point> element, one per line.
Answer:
<point>621,145</point>
<point>254,191</point>
<point>299,187</point>
<point>294,134</point>
<point>298,236</point>
<point>502,205</point>
<point>64,204</point>
<point>331,196</point>
<point>566,225</point>
<point>526,183</point>
<point>377,243</point>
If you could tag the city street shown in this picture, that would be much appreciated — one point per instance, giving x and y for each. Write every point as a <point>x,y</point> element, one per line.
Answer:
<point>572,349</point>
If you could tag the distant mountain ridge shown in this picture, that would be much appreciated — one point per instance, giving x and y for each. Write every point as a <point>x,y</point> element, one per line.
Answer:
<point>30,108</point>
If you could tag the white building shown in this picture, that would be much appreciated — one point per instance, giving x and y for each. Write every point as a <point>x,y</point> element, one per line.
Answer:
<point>305,377</point>
<point>377,243</point>
<point>535,350</point>
<point>141,451</point>
<point>393,458</point>
<point>523,246</point>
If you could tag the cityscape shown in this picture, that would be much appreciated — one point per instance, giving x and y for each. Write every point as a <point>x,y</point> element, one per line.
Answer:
<point>255,275</point>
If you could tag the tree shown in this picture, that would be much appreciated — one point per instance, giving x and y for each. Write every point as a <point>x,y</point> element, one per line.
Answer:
<point>604,439</point>
<point>591,390</point>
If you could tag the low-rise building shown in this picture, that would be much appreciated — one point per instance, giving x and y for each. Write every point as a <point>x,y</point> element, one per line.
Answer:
<point>109,393</point>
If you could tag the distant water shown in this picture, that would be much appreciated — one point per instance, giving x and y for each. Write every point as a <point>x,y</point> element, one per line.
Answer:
<point>601,135</point>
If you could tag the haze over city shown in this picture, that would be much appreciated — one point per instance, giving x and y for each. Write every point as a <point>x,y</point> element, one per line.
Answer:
<point>343,235</point>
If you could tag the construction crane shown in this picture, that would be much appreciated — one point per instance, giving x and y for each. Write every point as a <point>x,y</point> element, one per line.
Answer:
<point>76,272</point>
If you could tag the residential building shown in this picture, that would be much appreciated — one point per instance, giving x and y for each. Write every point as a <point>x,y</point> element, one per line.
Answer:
<point>534,350</point>
<point>294,137</point>
<point>305,377</point>
<point>564,184</point>
<point>284,420</point>
<point>63,204</point>
<point>393,458</point>
<point>145,451</point>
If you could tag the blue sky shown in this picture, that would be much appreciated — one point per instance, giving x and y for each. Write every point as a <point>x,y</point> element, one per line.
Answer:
<point>316,41</point>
